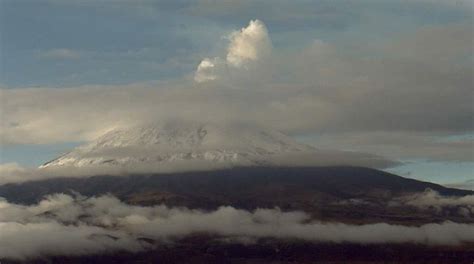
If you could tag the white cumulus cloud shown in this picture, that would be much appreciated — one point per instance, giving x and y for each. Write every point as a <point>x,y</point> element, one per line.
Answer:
<point>207,70</point>
<point>247,46</point>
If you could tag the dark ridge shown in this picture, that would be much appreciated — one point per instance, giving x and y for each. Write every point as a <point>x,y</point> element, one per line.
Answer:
<point>205,250</point>
<point>244,182</point>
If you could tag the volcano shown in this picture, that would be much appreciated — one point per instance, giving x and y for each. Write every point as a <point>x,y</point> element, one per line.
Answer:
<point>205,167</point>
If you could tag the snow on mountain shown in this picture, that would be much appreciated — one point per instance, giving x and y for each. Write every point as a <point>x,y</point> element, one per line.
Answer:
<point>176,145</point>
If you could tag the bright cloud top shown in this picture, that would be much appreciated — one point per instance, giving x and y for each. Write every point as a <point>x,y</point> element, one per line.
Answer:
<point>247,46</point>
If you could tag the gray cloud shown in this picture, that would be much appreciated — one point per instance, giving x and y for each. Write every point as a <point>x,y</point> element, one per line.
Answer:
<point>433,200</point>
<point>428,201</point>
<point>66,54</point>
<point>319,90</point>
<point>421,145</point>
<point>14,173</point>
<point>64,225</point>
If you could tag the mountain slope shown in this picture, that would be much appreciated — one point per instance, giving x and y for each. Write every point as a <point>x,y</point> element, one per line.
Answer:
<point>321,191</point>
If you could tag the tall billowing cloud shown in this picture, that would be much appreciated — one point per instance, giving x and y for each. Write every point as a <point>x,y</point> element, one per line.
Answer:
<point>65,225</point>
<point>247,46</point>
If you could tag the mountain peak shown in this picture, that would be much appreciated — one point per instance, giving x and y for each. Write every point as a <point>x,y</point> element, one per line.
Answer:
<point>182,144</point>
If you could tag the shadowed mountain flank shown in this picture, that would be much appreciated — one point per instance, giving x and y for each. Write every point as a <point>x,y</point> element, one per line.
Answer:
<point>351,194</point>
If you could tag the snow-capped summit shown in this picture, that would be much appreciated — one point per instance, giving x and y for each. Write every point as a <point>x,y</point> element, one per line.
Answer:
<point>171,146</point>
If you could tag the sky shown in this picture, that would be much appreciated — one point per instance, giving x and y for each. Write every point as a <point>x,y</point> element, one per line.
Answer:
<point>390,77</point>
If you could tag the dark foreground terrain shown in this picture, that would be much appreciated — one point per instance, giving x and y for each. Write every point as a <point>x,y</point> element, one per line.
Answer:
<point>202,250</point>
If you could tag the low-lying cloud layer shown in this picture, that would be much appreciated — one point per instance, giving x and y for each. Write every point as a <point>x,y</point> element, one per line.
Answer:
<point>432,200</point>
<point>429,200</point>
<point>65,225</point>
